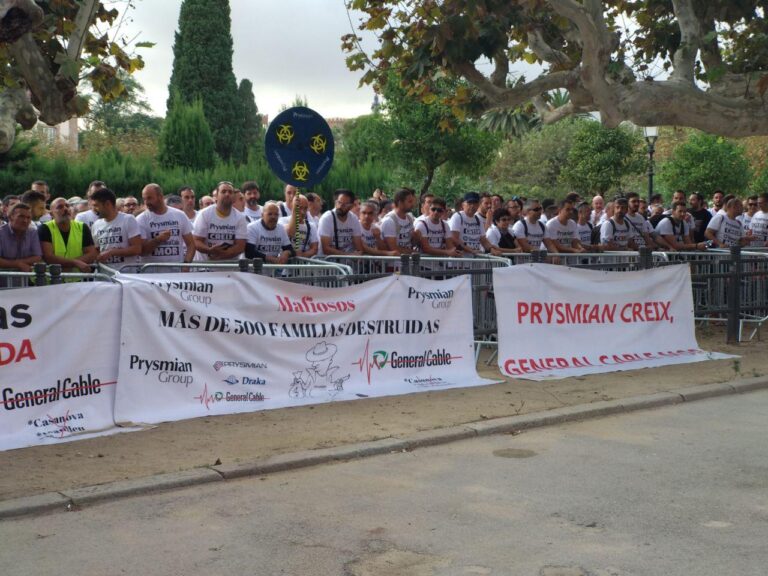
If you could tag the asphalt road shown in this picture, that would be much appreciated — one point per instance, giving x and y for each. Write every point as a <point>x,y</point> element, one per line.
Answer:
<point>681,490</point>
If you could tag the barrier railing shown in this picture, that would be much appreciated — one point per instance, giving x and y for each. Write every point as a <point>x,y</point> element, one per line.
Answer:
<point>728,286</point>
<point>45,275</point>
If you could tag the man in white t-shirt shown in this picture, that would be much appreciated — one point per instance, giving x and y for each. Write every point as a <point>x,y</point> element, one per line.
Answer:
<point>187,195</point>
<point>252,194</point>
<point>115,234</point>
<point>616,233</point>
<point>468,227</point>
<point>529,231</point>
<point>339,228</point>
<point>717,202</point>
<point>370,233</point>
<point>725,230</point>
<point>166,232</point>
<point>434,234</point>
<point>266,239</point>
<point>561,233</point>
<point>640,226</point>
<point>89,216</point>
<point>286,206</point>
<point>304,237</point>
<point>397,226</point>
<point>759,223</point>
<point>220,231</point>
<point>676,232</point>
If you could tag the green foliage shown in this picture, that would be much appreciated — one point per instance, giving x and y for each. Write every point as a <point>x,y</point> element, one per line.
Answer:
<point>186,139</point>
<point>21,154</point>
<point>366,139</point>
<point>127,113</point>
<point>760,184</point>
<point>202,69</point>
<point>429,135</point>
<point>705,163</point>
<point>534,162</point>
<point>601,158</point>
<point>253,132</point>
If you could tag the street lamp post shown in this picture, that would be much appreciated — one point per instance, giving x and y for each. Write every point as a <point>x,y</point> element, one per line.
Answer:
<point>651,135</point>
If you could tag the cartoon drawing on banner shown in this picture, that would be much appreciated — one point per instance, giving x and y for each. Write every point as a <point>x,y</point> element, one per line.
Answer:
<point>320,374</point>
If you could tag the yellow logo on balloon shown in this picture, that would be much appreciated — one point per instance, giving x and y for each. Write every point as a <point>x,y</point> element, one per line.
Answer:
<point>318,144</point>
<point>300,171</point>
<point>284,134</point>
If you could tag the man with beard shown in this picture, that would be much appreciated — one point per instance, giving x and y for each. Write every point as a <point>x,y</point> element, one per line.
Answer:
<point>166,232</point>
<point>700,216</point>
<point>252,194</point>
<point>718,199</point>
<point>724,230</point>
<point>529,231</point>
<point>676,232</point>
<point>220,231</point>
<point>616,233</point>
<point>561,233</point>
<point>19,243</point>
<point>339,228</point>
<point>65,241</point>
<point>301,232</point>
<point>116,234</point>
<point>468,227</point>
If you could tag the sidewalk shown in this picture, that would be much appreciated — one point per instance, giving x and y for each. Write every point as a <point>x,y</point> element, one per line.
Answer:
<point>271,440</point>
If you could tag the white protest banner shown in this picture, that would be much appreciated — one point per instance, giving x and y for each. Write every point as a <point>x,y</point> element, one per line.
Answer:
<point>219,343</point>
<point>555,322</point>
<point>59,347</point>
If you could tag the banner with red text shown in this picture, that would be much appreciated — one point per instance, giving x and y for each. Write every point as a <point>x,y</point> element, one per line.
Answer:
<point>555,322</point>
<point>58,362</point>
<point>219,343</point>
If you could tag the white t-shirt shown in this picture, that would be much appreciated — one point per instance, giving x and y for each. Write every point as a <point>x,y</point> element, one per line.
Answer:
<point>639,226</point>
<point>252,214</point>
<point>87,217</point>
<point>341,239</point>
<point>563,234</point>
<point>392,226</point>
<point>304,242</point>
<point>270,242</point>
<point>759,227</point>
<point>584,233</point>
<point>611,231</point>
<point>470,229</point>
<point>436,234</point>
<point>367,236</point>
<point>116,234</point>
<point>533,233</point>
<point>666,227</point>
<point>217,230</point>
<point>728,232</point>
<point>150,225</point>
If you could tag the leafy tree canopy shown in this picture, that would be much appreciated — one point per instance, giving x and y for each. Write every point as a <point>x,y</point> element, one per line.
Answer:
<point>696,63</point>
<point>47,49</point>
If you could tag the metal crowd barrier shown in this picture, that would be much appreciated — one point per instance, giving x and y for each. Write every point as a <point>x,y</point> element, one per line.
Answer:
<point>44,275</point>
<point>300,270</point>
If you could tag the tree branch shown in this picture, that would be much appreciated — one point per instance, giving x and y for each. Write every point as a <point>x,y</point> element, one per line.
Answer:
<point>544,51</point>
<point>14,107</point>
<point>83,22</point>
<point>501,69</point>
<point>17,17</point>
<point>684,58</point>
<point>550,115</point>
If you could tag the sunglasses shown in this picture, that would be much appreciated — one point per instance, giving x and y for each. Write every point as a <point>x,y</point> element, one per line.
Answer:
<point>437,209</point>
<point>536,209</point>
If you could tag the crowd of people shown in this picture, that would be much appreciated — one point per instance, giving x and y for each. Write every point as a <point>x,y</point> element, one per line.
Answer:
<point>230,223</point>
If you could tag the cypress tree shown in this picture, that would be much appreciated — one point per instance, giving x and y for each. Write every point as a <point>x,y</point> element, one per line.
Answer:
<point>202,69</point>
<point>253,133</point>
<point>186,139</point>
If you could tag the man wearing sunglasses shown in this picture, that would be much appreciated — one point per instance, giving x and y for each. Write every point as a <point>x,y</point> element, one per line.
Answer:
<point>468,227</point>
<point>434,235</point>
<point>529,231</point>
<point>220,231</point>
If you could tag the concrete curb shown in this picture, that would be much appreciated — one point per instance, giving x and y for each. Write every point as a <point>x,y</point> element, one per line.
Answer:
<point>91,494</point>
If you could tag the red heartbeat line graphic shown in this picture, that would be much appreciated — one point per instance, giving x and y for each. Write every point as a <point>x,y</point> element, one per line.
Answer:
<point>205,398</point>
<point>366,364</point>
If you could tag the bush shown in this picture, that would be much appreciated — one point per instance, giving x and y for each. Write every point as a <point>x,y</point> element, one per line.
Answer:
<point>705,163</point>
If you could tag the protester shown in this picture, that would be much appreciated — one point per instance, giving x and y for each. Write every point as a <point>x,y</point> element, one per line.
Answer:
<point>19,242</point>
<point>725,230</point>
<point>468,227</point>
<point>116,234</point>
<point>759,223</point>
<point>435,236</point>
<point>36,203</point>
<point>717,202</point>
<point>266,239</point>
<point>166,232</point>
<point>499,234</point>
<point>300,230</point>
<point>676,232</point>
<point>130,205</point>
<point>65,241</point>
<point>252,194</point>
<point>700,216</point>
<point>340,229</point>
<point>616,233</point>
<point>219,230</point>
<point>89,216</point>
<point>529,231</point>
<point>188,202</point>
<point>643,231</point>
<point>561,234</point>
<point>397,226</point>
